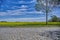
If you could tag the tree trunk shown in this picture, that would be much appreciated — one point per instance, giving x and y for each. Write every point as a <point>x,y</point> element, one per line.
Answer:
<point>46,12</point>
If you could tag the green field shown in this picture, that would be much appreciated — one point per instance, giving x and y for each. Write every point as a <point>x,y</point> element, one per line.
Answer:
<point>28,24</point>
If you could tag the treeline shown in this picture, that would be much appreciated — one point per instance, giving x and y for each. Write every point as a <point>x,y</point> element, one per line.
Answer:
<point>54,18</point>
<point>3,21</point>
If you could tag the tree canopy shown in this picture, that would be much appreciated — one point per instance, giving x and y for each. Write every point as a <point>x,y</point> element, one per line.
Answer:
<point>41,4</point>
<point>54,18</point>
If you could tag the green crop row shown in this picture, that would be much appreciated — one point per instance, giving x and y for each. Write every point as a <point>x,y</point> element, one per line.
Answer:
<point>20,24</point>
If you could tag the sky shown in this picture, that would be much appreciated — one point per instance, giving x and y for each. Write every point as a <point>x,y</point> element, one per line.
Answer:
<point>23,11</point>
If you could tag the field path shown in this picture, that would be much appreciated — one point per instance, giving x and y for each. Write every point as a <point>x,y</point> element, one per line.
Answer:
<point>43,33</point>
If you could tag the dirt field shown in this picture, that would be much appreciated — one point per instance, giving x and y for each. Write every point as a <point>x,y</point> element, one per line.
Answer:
<point>43,33</point>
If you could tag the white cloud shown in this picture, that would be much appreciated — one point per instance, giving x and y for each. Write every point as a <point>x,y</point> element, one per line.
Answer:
<point>2,13</point>
<point>23,9</point>
<point>18,12</point>
<point>23,6</point>
<point>24,19</point>
<point>21,2</point>
<point>33,1</point>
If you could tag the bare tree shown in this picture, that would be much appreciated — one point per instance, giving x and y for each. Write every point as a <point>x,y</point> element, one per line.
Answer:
<point>45,6</point>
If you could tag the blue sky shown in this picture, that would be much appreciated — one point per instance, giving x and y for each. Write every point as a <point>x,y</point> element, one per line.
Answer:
<point>22,10</point>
